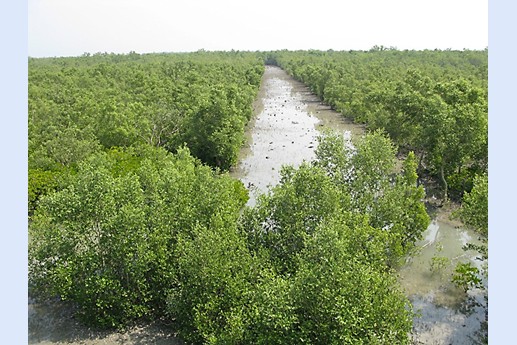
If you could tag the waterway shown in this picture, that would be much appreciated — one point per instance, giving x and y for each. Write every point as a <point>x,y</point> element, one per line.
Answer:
<point>289,117</point>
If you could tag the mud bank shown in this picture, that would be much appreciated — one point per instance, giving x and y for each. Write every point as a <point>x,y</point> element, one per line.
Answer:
<point>54,323</point>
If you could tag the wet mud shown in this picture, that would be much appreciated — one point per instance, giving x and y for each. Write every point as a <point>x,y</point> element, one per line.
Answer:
<point>54,322</point>
<point>284,131</point>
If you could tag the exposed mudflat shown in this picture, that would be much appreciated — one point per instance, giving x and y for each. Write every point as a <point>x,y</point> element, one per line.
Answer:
<point>284,131</point>
<point>54,323</point>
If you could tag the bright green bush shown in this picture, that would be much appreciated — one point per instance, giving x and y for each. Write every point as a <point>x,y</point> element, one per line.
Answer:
<point>332,230</point>
<point>341,295</point>
<point>165,100</point>
<point>107,241</point>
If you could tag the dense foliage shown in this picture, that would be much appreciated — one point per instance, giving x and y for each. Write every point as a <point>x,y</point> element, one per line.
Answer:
<point>327,229</point>
<point>474,213</point>
<point>131,215</point>
<point>106,200</point>
<point>304,265</point>
<point>78,106</point>
<point>434,103</point>
<point>141,232</point>
<point>107,240</point>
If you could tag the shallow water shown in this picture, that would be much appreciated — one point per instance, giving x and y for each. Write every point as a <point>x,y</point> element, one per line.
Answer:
<point>284,131</point>
<point>447,314</point>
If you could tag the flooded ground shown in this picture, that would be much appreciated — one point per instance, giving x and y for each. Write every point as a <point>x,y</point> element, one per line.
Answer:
<point>446,314</point>
<point>288,120</point>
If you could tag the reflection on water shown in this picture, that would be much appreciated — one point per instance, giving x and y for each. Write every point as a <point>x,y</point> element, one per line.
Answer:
<point>284,132</point>
<point>445,314</point>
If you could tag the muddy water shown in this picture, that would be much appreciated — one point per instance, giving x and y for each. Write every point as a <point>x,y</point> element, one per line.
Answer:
<point>447,314</point>
<point>288,119</point>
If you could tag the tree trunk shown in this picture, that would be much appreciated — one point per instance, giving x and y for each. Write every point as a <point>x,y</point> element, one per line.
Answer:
<point>419,169</point>
<point>444,181</point>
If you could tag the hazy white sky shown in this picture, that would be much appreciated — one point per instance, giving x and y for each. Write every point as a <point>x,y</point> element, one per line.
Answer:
<point>72,27</point>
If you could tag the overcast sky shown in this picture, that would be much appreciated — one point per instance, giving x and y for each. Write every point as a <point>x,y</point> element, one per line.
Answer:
<point>73,27</point>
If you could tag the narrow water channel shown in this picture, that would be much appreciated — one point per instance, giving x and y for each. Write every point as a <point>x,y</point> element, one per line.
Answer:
<point>288,120</point>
